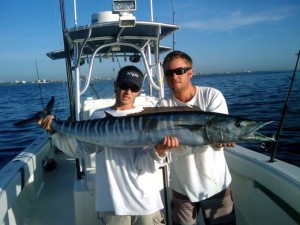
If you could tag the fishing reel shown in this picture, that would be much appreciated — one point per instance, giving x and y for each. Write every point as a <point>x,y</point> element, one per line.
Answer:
<point>49,164</point>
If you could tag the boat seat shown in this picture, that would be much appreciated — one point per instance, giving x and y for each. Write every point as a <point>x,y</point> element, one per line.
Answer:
<point>90,105</point>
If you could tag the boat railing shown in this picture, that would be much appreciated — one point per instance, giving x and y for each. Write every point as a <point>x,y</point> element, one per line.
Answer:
<point>22,180</point>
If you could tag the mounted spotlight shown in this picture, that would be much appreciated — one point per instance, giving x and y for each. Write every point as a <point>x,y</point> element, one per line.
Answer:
<point>125,8</point>
<point>82,62</point>
<point>128,6</point>
<point>135,58</point>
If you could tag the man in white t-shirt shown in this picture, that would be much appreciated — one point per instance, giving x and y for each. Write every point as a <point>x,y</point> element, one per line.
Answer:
<point>126,189</point>
<point>200,177</point>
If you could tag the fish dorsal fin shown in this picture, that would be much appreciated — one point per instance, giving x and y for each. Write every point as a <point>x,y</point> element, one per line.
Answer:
<point>165,109</point>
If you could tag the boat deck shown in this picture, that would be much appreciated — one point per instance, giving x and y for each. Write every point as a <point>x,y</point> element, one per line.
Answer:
<point>58,188</point>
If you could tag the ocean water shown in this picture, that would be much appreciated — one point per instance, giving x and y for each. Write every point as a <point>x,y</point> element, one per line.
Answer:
<point>259,96</point>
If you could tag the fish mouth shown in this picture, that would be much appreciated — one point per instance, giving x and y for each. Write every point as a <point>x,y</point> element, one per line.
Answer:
<point>254,136</point>
<point>257,137</point>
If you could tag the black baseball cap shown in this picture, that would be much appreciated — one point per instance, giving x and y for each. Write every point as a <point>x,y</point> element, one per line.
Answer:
<point>132,75</point>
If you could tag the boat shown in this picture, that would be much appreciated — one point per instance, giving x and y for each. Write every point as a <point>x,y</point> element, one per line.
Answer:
<point>42,185</point>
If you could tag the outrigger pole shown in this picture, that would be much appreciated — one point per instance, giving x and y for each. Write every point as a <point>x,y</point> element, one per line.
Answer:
<point>284,110</point>
<point>69,75</point>
<point>68,61</point>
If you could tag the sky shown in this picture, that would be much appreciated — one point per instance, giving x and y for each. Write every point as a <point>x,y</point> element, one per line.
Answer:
<point>220,35</point>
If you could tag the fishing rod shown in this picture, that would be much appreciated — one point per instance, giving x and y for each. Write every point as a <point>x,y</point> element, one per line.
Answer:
<point>38,77</point>
<point>284,110</point>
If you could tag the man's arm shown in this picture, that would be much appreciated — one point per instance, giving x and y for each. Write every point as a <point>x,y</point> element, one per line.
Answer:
<point>66,143</point>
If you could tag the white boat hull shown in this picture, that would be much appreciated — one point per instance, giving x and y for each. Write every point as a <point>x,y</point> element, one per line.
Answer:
<point>263,192</point>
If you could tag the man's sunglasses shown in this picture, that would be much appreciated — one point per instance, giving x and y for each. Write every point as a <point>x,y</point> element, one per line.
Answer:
<point>177,71</point>
<point>133,88</point>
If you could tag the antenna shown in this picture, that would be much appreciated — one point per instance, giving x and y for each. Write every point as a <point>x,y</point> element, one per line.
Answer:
<point>75,13</point>
<point>151,11</point>
<point>173,14</point>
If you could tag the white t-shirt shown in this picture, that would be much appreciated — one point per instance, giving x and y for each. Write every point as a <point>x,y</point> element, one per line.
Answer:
<point>199,172</point>
<point>125,180</point>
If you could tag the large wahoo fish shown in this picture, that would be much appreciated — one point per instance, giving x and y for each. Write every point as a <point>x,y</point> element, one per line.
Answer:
<point>189,124</point>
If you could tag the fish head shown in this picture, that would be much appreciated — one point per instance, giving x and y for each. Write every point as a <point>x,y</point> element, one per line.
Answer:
<point>230,129</point>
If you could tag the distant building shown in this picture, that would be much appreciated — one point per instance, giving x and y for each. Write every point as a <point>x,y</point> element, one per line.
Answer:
<point>41,81</point>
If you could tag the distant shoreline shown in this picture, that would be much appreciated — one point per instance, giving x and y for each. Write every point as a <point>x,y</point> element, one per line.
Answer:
<point>110,78</point>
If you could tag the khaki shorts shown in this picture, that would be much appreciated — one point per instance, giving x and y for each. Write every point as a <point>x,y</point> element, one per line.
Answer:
<point>217,209</point>
<point>153,219</point>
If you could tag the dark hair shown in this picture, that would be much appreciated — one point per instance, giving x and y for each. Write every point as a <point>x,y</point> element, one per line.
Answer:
<point>177,54</point>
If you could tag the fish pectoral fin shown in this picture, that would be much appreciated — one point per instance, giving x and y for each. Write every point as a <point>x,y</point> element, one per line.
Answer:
<point>191,127</point>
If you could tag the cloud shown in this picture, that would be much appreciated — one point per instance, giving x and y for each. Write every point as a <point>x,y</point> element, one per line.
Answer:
<point>237,19</point>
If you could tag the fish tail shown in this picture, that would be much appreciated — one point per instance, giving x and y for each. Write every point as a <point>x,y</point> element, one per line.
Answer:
<point>39,115</point>
<point>49,106</point>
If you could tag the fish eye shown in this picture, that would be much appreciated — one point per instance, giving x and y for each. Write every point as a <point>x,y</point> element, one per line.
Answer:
<point>238,124</point>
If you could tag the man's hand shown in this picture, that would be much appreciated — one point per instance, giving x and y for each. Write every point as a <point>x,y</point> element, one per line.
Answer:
<point>167,143</point>
<point>46,123</point>
<point>225,145</point>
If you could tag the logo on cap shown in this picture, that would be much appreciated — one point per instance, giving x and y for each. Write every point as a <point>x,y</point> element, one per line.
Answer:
<point>129,73</point>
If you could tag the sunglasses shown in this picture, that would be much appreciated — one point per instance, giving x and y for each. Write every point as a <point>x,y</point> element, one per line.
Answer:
<point>133,88</point>
<point>177,71</point>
